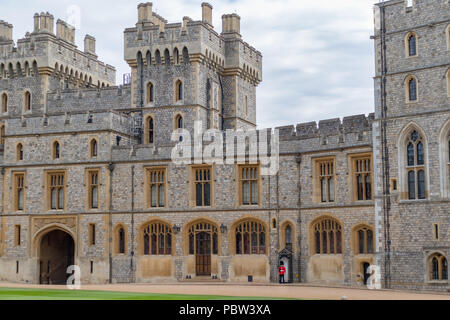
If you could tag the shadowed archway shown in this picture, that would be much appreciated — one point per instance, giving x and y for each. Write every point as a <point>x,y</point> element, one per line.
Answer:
<point>56,254</point>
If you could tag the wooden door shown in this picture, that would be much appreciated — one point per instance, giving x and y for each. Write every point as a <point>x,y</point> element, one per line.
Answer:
<point>203,254</point>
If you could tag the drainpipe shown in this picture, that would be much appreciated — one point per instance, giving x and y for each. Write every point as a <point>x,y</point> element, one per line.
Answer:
<point>111,167</point>
<point>298,159</point>
<point>132,226</point>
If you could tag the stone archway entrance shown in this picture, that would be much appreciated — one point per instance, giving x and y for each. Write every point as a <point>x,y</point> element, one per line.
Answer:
<point>56,254</point>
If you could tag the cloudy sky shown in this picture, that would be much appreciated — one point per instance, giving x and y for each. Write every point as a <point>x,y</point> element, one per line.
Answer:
<point>317,54</point>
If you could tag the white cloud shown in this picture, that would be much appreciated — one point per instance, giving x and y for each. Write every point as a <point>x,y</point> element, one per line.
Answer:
<point>317,55</point>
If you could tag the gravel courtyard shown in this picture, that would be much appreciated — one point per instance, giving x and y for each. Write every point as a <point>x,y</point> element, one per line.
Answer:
<point>254,290</point>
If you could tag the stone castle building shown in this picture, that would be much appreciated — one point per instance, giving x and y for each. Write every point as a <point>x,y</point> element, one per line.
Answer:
<point>88,178</point>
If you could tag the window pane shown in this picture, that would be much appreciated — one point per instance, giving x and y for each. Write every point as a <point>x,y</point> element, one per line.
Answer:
<point>288,235</point>
<point>161,196</point>
<point>198,194</point>
<point>317,237</point>
<point>161,244</point>
<point>410,154</point>
<point>323,189</point>
<point>369,241</point>
<point>254,192</point>
<point>435,269</point>
<point>368,187</point>
<point>121,241</point>
<point>262,242</point>
<point>360,188</point>
<point>412,90</point>
<point>338,242</point>
<point>245,193</point>
<point>421,184</point>
<point>361,241</point>
<point>412,45</point>
<point>60,198</point>
<point>444,269</point>
<point>146,244</point>
<point>324,242</point>
<point>153,195</point>
<point>332,238</point>
<point>246,243</point>
<point>20,200</point>
<point>207,187</point>
<point>411,185</point>
<point>154,243</point>
<point>53,198</point>
<point>331,188</point>
<point>420,154</point>
<point>254,243</point>
<point>94,198</point>
<point>238,243</point>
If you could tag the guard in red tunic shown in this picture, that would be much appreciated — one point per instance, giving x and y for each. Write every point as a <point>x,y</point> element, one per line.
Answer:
<point>282,271</point>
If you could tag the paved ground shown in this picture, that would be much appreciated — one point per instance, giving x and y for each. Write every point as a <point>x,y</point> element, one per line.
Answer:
<point>255,290</point>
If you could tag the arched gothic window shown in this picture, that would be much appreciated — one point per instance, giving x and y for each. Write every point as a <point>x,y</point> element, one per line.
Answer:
<point>167,57</point>
<point>327,237</point>
<point>158,239</point>
<point>176,56</point>
<point>412,45</point>
<point>415,166</point>
<point>4,103</point>
<point>94,148</point>
<point>121,240</point>
<point>151,130</point>
<point>19,152</point>
<point>150,92</point>
<point>412,89</point>
<point>288,236</point>
<point>438,267</point>
<point>56,150</point>
<point>185,56</point>
<point>27,101</point>
<point>250,238</point>
<point>179,90</point>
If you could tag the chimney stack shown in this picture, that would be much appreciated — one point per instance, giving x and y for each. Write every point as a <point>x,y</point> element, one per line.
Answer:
<point>145,12</point>
<point>44,22</point>
<point>89,44</point>
<point>207,14</point>
<point>65,31</point>
<point>231,24</point>
<point>5,31</point>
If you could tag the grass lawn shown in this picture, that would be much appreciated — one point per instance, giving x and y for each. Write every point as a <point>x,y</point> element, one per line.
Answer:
<point>38,294</point>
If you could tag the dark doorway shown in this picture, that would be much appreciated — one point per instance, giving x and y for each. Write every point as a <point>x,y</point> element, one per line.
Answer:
<point>56,255</point>
<point>285,256</point>
<point>366,273</point>
<point>203,254</point>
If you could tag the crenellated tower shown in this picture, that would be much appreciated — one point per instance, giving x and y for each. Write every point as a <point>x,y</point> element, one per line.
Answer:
<point>46,59</point>
<point>182,72</point>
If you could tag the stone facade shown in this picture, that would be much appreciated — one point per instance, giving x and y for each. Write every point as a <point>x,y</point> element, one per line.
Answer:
<point>74,102</point>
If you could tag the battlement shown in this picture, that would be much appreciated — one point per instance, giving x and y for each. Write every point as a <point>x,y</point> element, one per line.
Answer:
<point>53,54</point>
<point>405,14</point>
<point>69,122</point>
<point>225,52</point>
<point>110,98</point>
<point>331,127</point>
<point>6,30</point>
